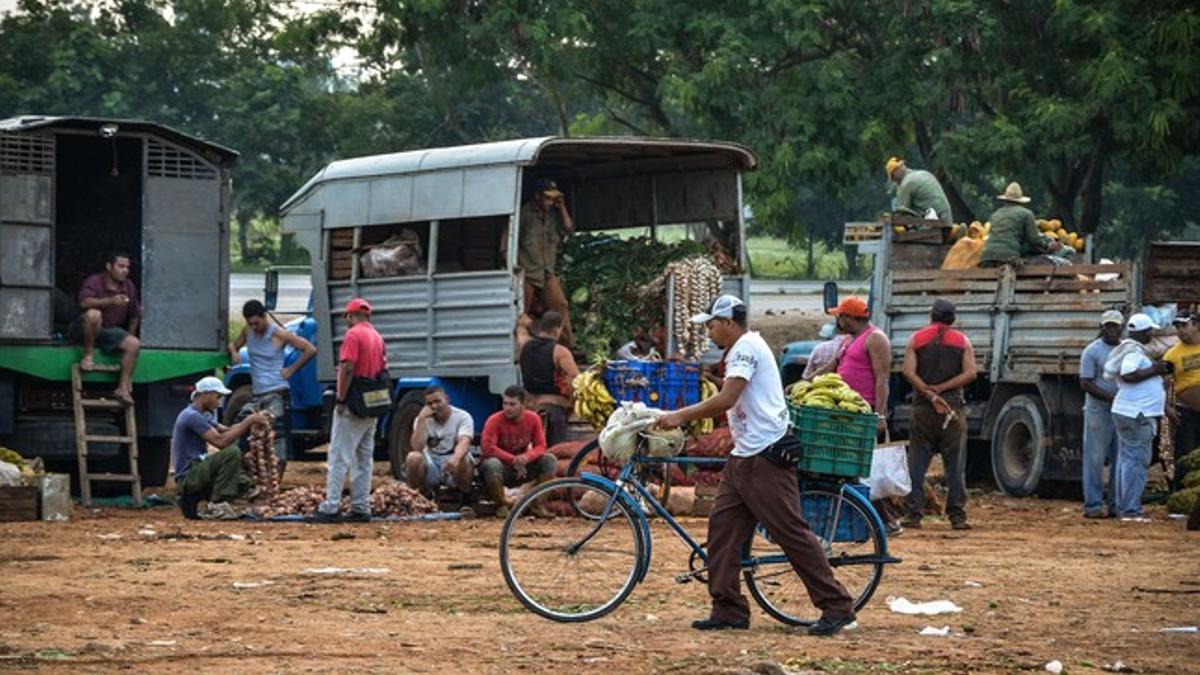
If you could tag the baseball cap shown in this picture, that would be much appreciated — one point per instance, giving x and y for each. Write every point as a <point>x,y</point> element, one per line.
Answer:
<point>547,186</point>
<point>358,305</point>
<point>852,306</point>
<point>1112,316</point>
<point>722,308</point>
<point>210,384</point>
<point>827,331</point>
<point>1140,322</point>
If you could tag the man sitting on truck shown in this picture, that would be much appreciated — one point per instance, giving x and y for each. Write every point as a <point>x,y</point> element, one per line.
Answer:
<point>547,372</point>
<point>217,477</point>
<point>264,342</point>
<point>514,449</point>
<point>918,191</point>
<point>110,317</point>
<point>1014,234</point>
<point>544,223</point>
<point>441,444</point>
<point>939,361</point>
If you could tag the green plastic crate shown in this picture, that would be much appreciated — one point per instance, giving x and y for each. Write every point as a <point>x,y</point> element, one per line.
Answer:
<point>836,442</point>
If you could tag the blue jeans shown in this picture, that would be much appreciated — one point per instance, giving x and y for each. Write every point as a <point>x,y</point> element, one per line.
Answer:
<point>1136,438</point>
<point>1099,448</point>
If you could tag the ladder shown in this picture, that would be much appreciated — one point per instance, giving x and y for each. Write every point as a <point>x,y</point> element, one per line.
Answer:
<point>84,403</point>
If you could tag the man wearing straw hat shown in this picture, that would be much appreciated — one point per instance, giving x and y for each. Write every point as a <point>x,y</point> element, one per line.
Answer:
<point>1014,234</point>
<point>918,191</point>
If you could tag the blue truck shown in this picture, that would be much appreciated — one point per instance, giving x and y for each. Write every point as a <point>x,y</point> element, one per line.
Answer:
<point>448,315</point>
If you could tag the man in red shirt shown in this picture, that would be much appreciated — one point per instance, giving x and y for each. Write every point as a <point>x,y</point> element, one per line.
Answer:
<point>352,439</point>
<point>514,449</point>
<point>110,317</point>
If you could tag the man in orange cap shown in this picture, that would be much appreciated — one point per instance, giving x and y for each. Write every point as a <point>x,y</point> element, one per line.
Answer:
<point>352,438</point>
<point>865,364</point>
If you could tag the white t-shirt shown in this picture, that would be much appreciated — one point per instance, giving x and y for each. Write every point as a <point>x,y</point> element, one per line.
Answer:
<point>760,416</point>
<point>441,438</point>
<point>1146,397</point>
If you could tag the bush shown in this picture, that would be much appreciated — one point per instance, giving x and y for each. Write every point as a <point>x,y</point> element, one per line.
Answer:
<point>1183,501</point>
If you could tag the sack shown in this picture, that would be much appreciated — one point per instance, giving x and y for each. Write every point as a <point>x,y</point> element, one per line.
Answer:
<point>889,472</point>
<point>786,452</point>
<point>370,396</point>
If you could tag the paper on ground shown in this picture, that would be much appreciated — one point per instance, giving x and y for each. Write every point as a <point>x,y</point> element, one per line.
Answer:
<point>903,606</point>
<point>939,632</point>
<point>346,570</point>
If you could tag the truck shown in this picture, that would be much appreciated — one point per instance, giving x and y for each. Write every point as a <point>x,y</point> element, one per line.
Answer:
<point>453,321</point>
<point>1028,325</point>
<point>72,190</point>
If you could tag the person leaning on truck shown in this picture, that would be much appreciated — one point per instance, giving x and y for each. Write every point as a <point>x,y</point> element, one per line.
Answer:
<point>1137,409</point>
<point>110,317</point>
<point>939,361</point>
<point>544,223</point>
<point>1099,434</point>
<point>1014,234</point>
<point>217,477</point>
<point>547,373</point>
<point>918,191</point>
<point>352,439</point>
<point>1185,357</point>
<point>754,488</point>
<point>264,342</point>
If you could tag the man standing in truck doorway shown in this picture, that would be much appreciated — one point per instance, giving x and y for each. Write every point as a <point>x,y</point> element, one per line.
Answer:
<point>1099,434</point>
<point>544,223</point>
<point>110,317</point>
<point>265,341</point>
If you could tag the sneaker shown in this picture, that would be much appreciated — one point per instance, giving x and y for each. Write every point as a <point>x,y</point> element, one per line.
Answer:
<point>893,529</point>
<point>911,523</point>
<point>190,505</point>
<point>358,517</point>
<point>502,511</point>
<point>467,513</point>
<point>960,525</point>
<point>1093,514</point>
<point>718,624</point>
<point>219,511</point>
<point>322,517</point>
<point>832,625</point>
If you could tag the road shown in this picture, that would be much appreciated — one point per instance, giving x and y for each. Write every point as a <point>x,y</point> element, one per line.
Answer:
<point>773,295</point>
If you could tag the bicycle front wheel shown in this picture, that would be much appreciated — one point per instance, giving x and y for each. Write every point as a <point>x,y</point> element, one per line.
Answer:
<point>655,477</point>
<point>565,567</point>
<point>852,542</point>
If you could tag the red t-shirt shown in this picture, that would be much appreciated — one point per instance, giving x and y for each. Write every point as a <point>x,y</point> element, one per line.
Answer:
<point>504,439</point>
<point>364,346</point>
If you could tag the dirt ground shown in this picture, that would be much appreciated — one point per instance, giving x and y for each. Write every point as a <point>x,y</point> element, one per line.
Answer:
<point>126,590</point>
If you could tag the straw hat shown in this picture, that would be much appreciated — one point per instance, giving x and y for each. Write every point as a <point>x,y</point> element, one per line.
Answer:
<point>1013,194</point>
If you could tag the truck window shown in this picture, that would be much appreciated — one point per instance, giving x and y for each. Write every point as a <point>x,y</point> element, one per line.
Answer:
<point>470,244</point>
<point>388,251</point>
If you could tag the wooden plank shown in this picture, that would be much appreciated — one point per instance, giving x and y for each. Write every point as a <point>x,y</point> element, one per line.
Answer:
<point>1070,284</point>
<point>1071,270</point>
<point>934,274</point>
<point>945,287</point>
<point>1075,300</point>
<point>908,301</point>
<point>19,503</point>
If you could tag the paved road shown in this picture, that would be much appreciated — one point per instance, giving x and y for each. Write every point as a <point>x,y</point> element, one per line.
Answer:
<point>768,294</point>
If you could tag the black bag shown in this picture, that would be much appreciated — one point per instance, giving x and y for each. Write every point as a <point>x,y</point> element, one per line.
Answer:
<point>370,396</point>
<point>786,452</point>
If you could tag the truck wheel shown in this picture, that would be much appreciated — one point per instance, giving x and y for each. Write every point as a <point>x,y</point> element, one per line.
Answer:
<point>240,397</point>
<point>1018,451</point>
<point>400,430</point>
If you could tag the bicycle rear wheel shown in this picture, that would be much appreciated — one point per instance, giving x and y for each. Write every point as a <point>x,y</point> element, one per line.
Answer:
<point>565,567</point>
<point>853,545</point>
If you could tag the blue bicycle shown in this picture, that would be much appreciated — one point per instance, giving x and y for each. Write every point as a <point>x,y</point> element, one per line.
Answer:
<point>573,549</point>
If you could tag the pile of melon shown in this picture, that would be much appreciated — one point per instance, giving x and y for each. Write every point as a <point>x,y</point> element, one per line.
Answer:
<point>1053,228</point>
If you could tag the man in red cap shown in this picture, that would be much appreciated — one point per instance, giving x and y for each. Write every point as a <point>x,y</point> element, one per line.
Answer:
<point>865,364</point>
<point>352,439</point>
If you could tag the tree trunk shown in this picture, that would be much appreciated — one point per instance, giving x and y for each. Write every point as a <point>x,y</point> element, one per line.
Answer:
<point>851,253</point>
<point>811,270</point>
<point>243,235</point>
<point>1093,189</point>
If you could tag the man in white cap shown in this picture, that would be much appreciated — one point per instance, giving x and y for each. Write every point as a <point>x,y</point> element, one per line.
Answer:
<point>217,477</point>
<point>1137,409</point>
<point>754,488</point>
<point>1014,232</point>
<point>1099,435</point>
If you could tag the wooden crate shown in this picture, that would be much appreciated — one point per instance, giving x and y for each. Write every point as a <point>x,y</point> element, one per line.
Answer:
<point>19,503</point>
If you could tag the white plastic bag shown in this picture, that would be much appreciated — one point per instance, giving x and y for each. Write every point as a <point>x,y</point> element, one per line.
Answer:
<point>618,439</point>
<point>889,471</point>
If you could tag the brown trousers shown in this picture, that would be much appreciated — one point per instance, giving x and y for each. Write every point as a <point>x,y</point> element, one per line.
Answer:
<point>550,296</point>
<point>754,490</point>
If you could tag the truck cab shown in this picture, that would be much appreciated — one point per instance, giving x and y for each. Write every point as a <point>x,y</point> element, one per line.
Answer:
<point>449,314</point>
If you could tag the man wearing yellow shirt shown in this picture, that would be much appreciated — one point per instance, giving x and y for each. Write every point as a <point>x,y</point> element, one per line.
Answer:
<point>1185,356</point>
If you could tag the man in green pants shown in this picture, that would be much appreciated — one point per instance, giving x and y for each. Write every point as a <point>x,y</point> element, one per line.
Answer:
<point>217,478</point>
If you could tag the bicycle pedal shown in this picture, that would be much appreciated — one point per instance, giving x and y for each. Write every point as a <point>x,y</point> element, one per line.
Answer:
<point>684,578</point>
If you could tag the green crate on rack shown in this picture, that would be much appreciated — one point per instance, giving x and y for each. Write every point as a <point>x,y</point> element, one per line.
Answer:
<point>836,442</point>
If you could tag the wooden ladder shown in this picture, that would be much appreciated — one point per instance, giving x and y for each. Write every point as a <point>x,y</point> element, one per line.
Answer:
<point>82,404</point>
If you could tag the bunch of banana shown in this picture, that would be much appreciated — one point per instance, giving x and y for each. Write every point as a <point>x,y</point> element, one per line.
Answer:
<point>593,403</point>
<point>828,391</point>
<point>704,426</point>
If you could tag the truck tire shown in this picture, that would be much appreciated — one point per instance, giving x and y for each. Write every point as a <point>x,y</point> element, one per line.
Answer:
<point>154,459</point>
<point>400,430</point>
<point>240,397</point>
<point>1018,449</point>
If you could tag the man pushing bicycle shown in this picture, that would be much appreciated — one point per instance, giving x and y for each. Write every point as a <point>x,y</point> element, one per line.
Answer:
<point>759,483</point>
